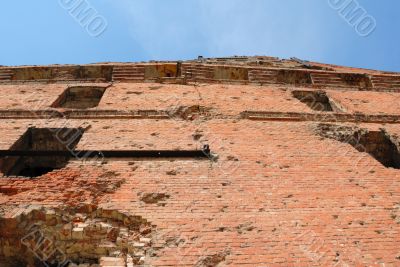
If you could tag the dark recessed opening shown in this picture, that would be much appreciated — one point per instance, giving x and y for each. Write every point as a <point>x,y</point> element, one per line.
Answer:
<point>80,97</point>
<point>41,139</point>
<point>378,144</point>
<point>316,100</point>
<point>31,171</point>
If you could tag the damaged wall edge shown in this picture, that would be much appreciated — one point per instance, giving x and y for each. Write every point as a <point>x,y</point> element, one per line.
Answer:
<point>380,145</point>
<point>180,71</point>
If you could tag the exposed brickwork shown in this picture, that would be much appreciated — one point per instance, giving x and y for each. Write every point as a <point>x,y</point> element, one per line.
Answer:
<point>81,235</point>
<point>277,191</point>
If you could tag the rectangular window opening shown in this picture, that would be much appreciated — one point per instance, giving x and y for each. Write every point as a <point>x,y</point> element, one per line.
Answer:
<point>80,97</point>
<point>316,100</point>
<point>378,144</point>
<point>40,151</point>
<point>40,139</point>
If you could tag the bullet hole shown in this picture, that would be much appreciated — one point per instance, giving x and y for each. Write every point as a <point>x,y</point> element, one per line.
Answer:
<point>155,87</point>
<point>247,227</point>
<point>132,92</point>
<point>154,198</point>
<point>197,136</point>
<point>172,172</point>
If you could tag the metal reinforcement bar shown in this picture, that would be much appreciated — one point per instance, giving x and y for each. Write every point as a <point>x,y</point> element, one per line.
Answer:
<point>205,153</point>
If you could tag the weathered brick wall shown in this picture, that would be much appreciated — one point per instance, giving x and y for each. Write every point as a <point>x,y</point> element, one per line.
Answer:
<point>277,193</point>
<point>369,102</point>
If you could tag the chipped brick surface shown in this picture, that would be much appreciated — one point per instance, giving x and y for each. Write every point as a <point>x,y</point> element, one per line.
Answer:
<point>276,193</point>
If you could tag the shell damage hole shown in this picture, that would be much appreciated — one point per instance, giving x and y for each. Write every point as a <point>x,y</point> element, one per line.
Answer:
<point>40,139</point>
<point>379,144</point>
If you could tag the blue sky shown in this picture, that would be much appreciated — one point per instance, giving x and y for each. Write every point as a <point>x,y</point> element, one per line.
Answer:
<point>43,32</point>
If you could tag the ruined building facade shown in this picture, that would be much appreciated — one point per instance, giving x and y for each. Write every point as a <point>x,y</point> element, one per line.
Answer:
<point>242,161</point>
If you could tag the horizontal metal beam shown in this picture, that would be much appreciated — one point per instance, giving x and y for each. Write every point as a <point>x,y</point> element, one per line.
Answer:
<point>205,153</point>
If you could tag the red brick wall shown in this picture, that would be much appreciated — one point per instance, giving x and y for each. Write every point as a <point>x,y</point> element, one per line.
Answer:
<point>278,195</point>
